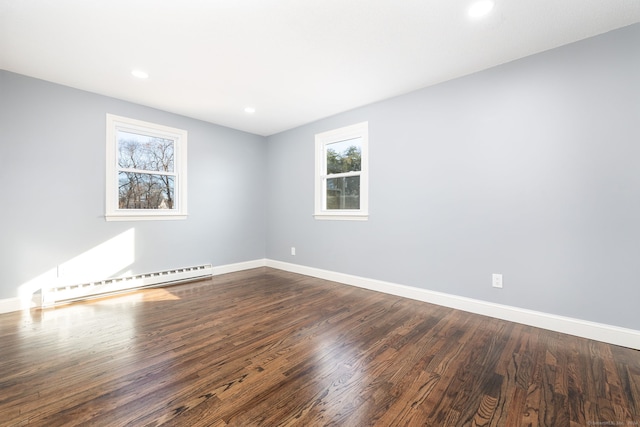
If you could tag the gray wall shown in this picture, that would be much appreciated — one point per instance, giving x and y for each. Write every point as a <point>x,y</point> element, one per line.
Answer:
<point>530,169</point>
<point>52,166</point>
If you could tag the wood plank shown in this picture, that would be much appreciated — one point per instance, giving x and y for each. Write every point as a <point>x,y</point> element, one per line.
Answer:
<point>265,347</point>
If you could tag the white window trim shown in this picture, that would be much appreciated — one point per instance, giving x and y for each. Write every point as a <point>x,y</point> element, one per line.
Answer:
<point>113,212</point>
<point>359,130</point>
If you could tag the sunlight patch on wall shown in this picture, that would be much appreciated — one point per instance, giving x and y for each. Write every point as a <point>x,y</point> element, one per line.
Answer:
<point>105,260</point>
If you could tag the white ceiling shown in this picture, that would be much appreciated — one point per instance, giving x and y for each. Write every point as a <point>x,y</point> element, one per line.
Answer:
<point>294,61</point>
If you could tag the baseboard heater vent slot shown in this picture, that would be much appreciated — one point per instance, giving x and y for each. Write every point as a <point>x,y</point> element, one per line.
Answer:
<point>67,293</point>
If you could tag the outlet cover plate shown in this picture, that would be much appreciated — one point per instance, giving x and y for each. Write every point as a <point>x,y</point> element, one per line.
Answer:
<point>496,280</point>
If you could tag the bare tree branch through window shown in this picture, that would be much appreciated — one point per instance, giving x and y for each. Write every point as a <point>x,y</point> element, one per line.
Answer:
<point>146,172</point>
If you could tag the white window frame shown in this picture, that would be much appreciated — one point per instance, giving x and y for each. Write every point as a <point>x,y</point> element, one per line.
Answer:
<point>359,130</point>
<point>179,136</point>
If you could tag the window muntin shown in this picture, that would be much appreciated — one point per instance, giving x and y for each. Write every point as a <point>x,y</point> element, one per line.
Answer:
<point>341,173</point>
<point>146,170</point>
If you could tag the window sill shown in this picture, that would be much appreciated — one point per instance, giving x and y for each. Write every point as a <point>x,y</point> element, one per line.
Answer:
<point>143,217</point>
<point>342,217</point>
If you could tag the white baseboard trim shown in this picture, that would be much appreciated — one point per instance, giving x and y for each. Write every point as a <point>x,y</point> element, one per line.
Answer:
<point>240,266</point>
<point>581,328</point>
<point>10,304</point>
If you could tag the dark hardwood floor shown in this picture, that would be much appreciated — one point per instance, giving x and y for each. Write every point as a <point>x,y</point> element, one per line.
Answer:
<point>271,348</point>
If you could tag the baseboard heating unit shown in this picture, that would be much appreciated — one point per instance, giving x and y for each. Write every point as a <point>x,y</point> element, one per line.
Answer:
<point>59,294</point>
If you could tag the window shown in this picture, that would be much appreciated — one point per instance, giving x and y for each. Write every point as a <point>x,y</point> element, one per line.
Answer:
<point>146,171</point>
<point>341,173</point>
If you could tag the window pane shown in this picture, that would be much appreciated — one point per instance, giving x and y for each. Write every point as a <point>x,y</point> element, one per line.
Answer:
<point>344,156</point>
<point>145,191</point>
<point>145,152</point>
<point>343,193</point>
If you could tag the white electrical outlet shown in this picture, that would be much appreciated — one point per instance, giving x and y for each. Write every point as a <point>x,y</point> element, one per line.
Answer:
<point>497,280</point>
<point>293,250</point>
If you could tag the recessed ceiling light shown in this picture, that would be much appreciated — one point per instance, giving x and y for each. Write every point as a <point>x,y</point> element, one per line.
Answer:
<point>249,110</point>
<point>139,74</point>
<point>480,9</point>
